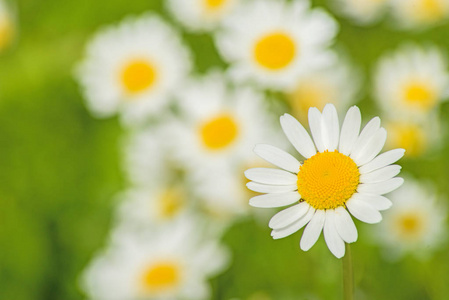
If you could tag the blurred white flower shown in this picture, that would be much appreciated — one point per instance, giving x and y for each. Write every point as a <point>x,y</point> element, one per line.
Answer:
<point>273,42</point>
<point>133,68</point>
<point>416,222</point>
<point>411,82</point>
<point>342,171</point>
<point>7,25</point>
<point>174,263</point>
<point>200,15</point>
<point>419,14</point>
<point>362,12</point>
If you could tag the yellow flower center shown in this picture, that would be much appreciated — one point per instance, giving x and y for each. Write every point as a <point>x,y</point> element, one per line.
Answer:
<point>409,136</point>
<point>429,10</point>
<point>219,132</point>
<point>275,51</point>
<point>6,32</point>
<point>410,225</point>
<point>161,276</point>
<point>138,75</point>
<point>214,4</point>
<point>171,202</point>
<point>420,95</point>
<point>328,179</point>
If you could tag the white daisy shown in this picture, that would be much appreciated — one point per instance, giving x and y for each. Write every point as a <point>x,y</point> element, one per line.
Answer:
<point>342,171</point>
<point>412,81</point>
<point>274,42</point>
<point>416,222</point>
<point>362,11</point>
<point>173,264</point>
<point>133,68</point>
<point>418,14</point>
<point>7,25</point>
<point>200,15</point>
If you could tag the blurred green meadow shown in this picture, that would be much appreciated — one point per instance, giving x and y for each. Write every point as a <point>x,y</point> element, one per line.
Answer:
<point>61,168</point>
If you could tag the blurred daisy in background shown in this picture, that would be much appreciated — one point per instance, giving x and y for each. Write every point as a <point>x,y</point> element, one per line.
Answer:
<point>273,43</point>
<point>419,14</point>
<point>342,171</point>
<point>7,25</point>
<point>172,264</point>
<point>362,12</point>
<point>338,84</point>
<point>411,82</point>
<point>416,222</point>
<point>133,68</point>
<point>201,15</point>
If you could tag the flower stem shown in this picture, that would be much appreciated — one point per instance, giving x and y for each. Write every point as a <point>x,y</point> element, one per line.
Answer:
<point>348,278</point>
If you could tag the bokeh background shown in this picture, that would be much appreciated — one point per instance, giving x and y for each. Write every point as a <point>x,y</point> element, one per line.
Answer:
<point>61,169</point>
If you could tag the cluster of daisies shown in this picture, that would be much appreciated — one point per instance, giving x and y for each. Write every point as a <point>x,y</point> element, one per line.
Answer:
<point>190,137</point>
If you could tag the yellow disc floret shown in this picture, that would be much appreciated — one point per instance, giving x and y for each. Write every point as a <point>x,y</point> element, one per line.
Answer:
<point>161,276</point>
<point>275,51</point>
<point>219,132</point>
<point>328,179</point>
<point>138,76</point>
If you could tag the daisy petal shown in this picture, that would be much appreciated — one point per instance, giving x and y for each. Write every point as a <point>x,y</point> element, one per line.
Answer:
<point>297,136</point>
<point>271,176</point>
<point>313,230</point>
<point>315,128</point>
<point>345,225</point>
<point>288,230</point>
<point>381,174</point>
<point>331,236</point>
<point>363,211</point>
<point>368,131</point>
<point>382,160</point>
<point>274,200</point>
<point>380,188</point>
<point>377,201</point>
<point>266,188</point>
<point>330,127</point>
<point>289,215</point>
<point>350,130</point>
<point>278,157</point>
<point>372,147</point>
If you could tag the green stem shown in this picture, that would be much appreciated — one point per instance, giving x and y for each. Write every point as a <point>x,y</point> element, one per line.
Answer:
<point>348,278</point>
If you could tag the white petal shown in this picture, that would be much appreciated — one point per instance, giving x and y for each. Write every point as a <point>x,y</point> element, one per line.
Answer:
<point>382,160</point>
<point>331,236</point>
<point>380,188</point>
<point>315,128</point>
<point>313,230</point>
<point>271,176</point>
<point>330,127</point>
<point>266,188</point>
<point>363,211</point>
<point>350,130</point>
<point>274,200</point>
<point>298,136</point>
<point>377,201</point>
<point>289,215</point>
<point>278,157</point>
<point>288,230</point>
<point>368,131</point>
<point>380,175</point>
<point>345,225</point>
<point>372,147</point>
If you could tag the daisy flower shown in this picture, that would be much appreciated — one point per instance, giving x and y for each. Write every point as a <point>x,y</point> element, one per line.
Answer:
<point>7,25</point>
<point>172,264</point>
<point>412,81</point>
<point>200,15</point>
<point>419,14</point>
<point>133,68</point>
<point>342,172</point>
<point>362,12</point>
<point>415,224</point>
<point>273,42</point>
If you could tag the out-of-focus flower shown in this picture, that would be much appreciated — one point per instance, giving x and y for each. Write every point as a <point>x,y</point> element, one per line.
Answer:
<point>411,82</point>
<point>338,84</point>
<point>273,42</point>
<point>200,15</point>
<point>133,68</point>
<point>415,223</point>
<point>362,11</point>
<point>172,264</point>
<point>342,171</point>
<point>418,14</point>
<point>7,26</point>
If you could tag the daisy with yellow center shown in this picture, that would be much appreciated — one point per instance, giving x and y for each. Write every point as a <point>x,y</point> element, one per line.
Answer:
<point>412,81</point>
<point>418,14</point>
<point>273,42</point>
<point>201,15</point>
<point>133,68</point>
<point>362,12</point>
<point>342,172</point>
